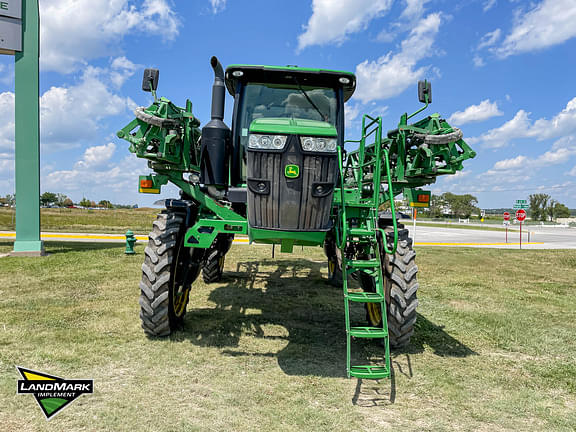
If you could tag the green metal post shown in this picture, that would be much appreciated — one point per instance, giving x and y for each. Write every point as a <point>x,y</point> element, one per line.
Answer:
<point>28,136</point>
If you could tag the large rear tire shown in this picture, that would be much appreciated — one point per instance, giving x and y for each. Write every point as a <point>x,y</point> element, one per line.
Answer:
<point>168,271</point>
<point>400,287</point>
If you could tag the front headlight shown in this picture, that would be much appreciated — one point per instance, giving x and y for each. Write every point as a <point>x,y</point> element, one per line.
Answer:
<point>267,142</point>
<point>318,144</point>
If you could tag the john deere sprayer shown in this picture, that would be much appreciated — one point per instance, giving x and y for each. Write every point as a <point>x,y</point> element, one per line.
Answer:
<point>284,175</point>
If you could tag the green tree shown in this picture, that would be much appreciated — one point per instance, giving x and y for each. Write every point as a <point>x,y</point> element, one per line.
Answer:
<point>67,202</point>
<point>461,206</point>
<point>560,211</point>
<point>84,202</point>
<point>48,198</point>
<point>437,206</point>
<point>61,200</point>
<point>105,203</point>
<point>538,206</point>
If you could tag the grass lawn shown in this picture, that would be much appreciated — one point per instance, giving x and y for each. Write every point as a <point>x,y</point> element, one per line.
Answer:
<point>81,220</point>
<point>264,350</point>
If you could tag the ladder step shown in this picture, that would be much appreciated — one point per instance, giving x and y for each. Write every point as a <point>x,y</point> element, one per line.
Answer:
<point>369,372</point>
<point>368,332</point>
<point>357,204</point>
<point>361,232</point>
<point>365,297</point>
<point>369,263</point>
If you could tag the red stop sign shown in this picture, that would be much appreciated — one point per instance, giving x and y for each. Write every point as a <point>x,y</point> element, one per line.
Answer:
<point>506,216</point>
<point>521,215</point>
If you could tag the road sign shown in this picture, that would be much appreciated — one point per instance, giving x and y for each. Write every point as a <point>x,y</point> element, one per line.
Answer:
<point>506,216</point>
<point>10,26</point>
<point>11,8</point>
<point>521,206</point>
<point>521,215</point>
<point>10,34</point>
<point>521,201</point>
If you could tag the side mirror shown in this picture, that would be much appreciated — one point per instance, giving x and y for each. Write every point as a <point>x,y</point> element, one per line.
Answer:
<point>425,91</point>
<point>150,80</point>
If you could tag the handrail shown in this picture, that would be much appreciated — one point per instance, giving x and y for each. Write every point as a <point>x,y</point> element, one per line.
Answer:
<point>342,217</point>
<point>392,208</point>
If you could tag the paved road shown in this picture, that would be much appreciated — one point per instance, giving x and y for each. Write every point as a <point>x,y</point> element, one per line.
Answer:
<point>540,238</point>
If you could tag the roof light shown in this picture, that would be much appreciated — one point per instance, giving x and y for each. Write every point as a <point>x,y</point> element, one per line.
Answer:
<point>344,80</point>
<point>237,73</point>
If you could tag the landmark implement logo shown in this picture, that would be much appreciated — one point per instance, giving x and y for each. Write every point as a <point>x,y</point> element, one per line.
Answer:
<point>52,393</point>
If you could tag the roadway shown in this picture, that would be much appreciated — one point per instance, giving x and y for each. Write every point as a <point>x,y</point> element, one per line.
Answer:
<point>540,237</point>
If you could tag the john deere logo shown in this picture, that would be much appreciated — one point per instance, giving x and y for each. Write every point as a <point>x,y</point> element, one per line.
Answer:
<point>292,171</point>
<point>51,392</point>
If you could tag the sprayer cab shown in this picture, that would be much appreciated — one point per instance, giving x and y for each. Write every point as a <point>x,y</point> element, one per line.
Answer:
<point>288,124</point>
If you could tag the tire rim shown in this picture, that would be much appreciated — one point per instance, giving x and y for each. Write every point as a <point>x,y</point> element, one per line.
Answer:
<point>331,268</point>
<point>374,313</point>
<point>180,292</point>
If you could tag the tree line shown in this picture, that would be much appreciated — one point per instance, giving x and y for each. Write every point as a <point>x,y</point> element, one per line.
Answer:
<point>49,199</point>
<point>542,207</point>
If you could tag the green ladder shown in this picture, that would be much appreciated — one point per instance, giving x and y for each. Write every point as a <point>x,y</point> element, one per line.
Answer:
<point>360,197</point>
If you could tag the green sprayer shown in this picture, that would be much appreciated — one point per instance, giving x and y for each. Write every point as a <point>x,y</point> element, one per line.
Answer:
<point>282,176</point>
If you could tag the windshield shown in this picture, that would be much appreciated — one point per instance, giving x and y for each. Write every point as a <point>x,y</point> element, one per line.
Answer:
<point>300,102</point>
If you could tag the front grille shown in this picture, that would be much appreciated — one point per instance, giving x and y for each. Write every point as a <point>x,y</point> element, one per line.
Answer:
<point>281,203</point>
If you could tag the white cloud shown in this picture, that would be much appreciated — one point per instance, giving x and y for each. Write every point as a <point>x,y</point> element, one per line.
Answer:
<point>68,115</point>
<point>391,74</point>
<point>476,113</point>
<point>333,20</point>
<point>550,23</point>
<point>489,39</point>
<point>98,182</point>
<point>96,156</point>
<point>218,5</point>
<point>478,61</point>
<point>75,31</point>
<point>7,123</point>
<point>562,124</point>
<point>488,4</point>
<point>414,8</point>
<point>572,172</point>
<point>7,74</point>
<point>525,166</point>
<point>122,69</point>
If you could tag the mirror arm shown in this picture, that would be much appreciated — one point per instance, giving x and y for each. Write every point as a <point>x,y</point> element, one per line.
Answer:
<point>421,109</point>
<point>152,90</point>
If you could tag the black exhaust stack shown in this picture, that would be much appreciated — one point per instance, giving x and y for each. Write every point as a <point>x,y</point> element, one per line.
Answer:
<point>215,136</point>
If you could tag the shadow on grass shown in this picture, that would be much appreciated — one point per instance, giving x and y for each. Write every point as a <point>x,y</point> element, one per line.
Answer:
<point>310,313</point>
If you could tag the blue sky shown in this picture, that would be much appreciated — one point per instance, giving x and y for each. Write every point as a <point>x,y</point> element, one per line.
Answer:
<point>502,70</point>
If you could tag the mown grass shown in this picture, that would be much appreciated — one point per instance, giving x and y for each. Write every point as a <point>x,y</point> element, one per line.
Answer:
<point>265,348</point>
<point>81,220</point>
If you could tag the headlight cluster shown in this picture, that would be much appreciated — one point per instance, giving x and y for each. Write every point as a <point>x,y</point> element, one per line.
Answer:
<point>318,144</point>
<point>278,142</point>
<point>267,142</point>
